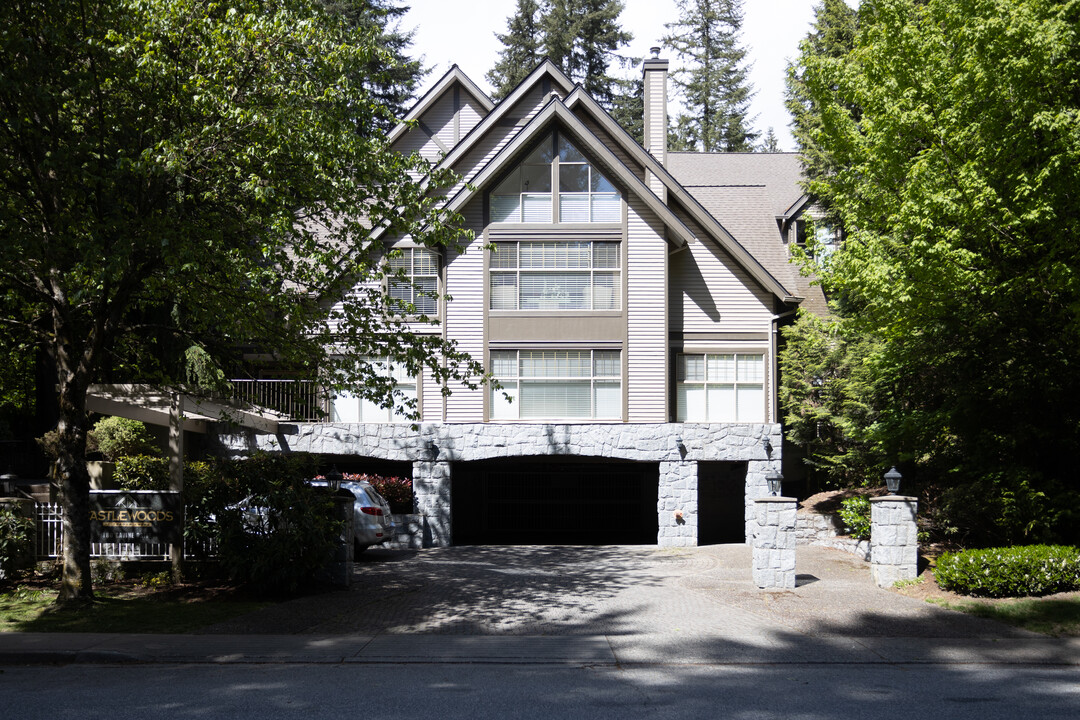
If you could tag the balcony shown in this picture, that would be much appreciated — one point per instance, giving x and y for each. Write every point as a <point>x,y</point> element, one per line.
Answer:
<point>293,400</point>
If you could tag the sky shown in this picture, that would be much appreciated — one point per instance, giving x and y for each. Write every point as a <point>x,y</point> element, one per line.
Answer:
<point>462,32</point>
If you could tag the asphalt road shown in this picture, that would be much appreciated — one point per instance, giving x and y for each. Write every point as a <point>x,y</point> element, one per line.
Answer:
<point>475,692</point>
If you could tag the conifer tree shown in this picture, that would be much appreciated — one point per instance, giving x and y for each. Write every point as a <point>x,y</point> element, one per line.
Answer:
<point>582,37</point>
<point>832,36</point>
<point>714,83</point>
<point>522,48</point>
<point>391,80</point>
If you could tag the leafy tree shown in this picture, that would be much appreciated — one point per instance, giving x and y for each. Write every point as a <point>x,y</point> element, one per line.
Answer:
<point>522,48</point>
<point>390,76</point>
<point>950,133</point>
<point>832,36</point>
<point>180,171</point>
<point>714,83</point>
<point>582,37</point>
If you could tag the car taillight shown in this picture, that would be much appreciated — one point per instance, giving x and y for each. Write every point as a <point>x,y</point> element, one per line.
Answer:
<point>371,510</point>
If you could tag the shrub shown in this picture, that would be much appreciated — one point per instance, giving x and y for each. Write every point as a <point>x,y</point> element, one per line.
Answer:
<point>855,512</point>
<point>16,542</point>
<point>119,437</point>
<point>142,472</point>
<point>397,491</point>
<point>1010,571</point>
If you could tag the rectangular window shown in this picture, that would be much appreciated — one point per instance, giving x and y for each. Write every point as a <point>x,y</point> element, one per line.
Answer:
<point>557,384</point>
<point>347,407</point>
<point>555,275</point>
<point>421,268</point>
<point>721,387</point>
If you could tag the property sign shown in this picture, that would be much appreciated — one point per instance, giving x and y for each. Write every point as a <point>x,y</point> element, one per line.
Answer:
<point>136,516</point>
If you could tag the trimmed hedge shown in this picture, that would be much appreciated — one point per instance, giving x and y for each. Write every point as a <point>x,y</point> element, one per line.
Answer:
<point>1010,571</point>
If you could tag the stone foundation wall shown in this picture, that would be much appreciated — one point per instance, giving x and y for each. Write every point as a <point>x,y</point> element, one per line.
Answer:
<point>435,447</point>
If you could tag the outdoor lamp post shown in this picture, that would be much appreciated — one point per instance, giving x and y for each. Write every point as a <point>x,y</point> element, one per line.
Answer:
<point>774,479</point>
<point>333,479</point>
<point>892,480</point>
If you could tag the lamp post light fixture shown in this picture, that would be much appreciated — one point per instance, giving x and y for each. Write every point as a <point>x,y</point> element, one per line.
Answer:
<point>774,479</point>
<point>892,480</point>
<point>333,479</point>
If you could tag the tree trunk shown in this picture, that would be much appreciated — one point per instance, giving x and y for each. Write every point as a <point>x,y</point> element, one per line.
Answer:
<point>75,581</point>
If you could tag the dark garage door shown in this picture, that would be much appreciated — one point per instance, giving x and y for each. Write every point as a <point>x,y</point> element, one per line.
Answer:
<point>721,503</point>
<point>529,501</point>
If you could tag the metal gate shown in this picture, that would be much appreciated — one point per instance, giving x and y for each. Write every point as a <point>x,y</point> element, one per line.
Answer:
<point>551,501</point>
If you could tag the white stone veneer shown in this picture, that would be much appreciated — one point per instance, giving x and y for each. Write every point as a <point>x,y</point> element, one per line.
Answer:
<point>435,447</point>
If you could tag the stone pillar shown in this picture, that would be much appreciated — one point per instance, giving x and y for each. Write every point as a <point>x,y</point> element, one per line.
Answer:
<point>894,539</point>
<point>431,490</point>
<point>340,571</point>
<point>677,504</point>
<point>774,543</point>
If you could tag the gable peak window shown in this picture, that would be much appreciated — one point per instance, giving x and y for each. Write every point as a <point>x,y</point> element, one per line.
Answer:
<point>555,183</point>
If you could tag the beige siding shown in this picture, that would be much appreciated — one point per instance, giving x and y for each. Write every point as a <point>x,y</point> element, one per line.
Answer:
<point>646,319</point>
<point>710,293</point>
<point>465,316</point>
<point>432,402</point>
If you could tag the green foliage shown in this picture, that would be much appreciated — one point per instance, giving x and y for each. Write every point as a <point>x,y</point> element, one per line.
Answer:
<point>143,472</point>
<point>16,542</point>
<point>180,173</point>
<point>950,154</point>
<point>119,437</point>
<point>832,393</point>
<point>280,533</point>
<point>855,512</point>
<point>581,37</point>
<point>1010,571</point>
<point>714,77</point>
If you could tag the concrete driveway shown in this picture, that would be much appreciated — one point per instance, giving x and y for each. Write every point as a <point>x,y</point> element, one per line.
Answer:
<point>693,593</point>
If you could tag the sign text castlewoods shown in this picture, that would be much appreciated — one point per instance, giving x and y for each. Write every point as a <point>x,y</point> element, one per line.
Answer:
<point>136,516</point>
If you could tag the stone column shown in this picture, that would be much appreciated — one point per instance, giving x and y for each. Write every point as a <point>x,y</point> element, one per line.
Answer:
<point>431,489</point>
<point>894,539</point>
<point>340,570</point>
<point>677,504</point>
<point>774,543</point>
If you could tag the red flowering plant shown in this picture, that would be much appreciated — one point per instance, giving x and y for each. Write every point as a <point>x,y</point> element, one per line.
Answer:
<point>396,490</point>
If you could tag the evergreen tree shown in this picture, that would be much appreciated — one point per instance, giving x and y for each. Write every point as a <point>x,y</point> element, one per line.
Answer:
<point>392,76</point>
<point>522,48</point>
<point>771,143</point>
<point>582,37</point>
<point>628,108</point>
<point>714,84</point>
<point>832,36</point>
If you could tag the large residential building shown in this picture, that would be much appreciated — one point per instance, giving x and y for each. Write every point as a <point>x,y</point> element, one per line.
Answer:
<point>627,298</point>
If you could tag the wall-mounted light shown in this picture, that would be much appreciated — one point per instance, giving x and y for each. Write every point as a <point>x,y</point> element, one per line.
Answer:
<point>766,445</point>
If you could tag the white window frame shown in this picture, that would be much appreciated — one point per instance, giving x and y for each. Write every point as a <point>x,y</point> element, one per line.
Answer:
<point>603,381</point>
<point>592,271</point>
<point>600,201</point>
<point>720,393</point>
<point>348,407</point>
<point>421,277</point>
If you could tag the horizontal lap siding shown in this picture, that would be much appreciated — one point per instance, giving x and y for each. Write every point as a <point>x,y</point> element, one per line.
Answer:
<point>465,313</point>
<point>710,293</point>
<point>646,269</point>
<point>471,114</point>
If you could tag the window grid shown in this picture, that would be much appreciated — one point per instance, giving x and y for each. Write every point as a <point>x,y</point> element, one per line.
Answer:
<point>555,275</point>
<point>720,387</point>
<point>557,384</point>
<point>559,187</point>
<point>421,267</point>
<point>347,407</point>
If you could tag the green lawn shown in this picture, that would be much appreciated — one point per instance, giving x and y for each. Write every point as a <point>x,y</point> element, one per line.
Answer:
<point>119,609</point>
<point>1057,616</point>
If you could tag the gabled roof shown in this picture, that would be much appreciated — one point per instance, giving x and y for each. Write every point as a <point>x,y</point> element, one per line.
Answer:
<point>542,122</point>
<point>453,76</point>
<point>744,256</point>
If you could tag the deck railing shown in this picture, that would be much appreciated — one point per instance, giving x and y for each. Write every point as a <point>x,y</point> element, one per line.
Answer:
<point>296,400</point>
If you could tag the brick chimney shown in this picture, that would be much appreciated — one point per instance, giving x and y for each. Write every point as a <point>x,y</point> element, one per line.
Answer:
<point>655,74</point>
